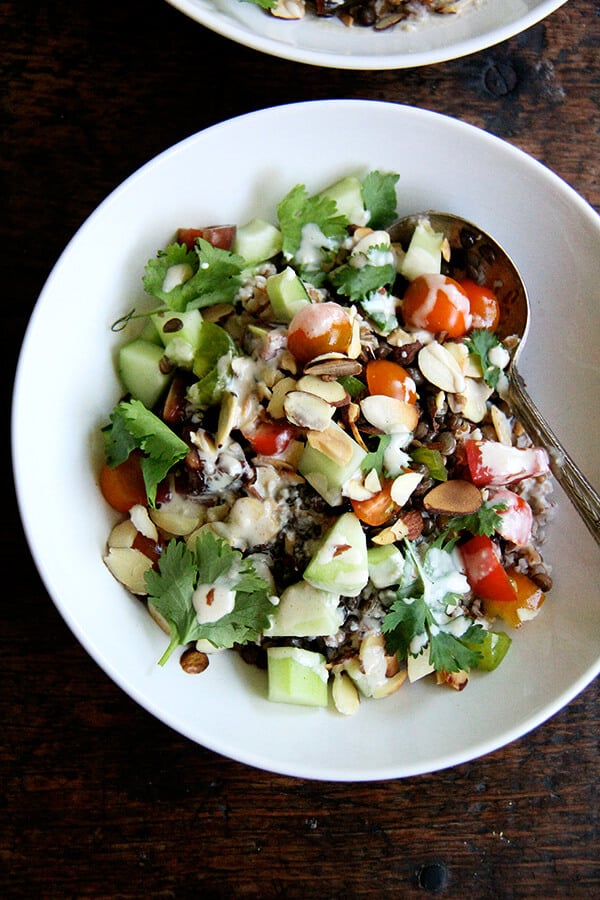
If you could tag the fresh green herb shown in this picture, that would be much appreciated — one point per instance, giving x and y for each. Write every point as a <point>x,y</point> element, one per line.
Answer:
<point>135,427</point>
<point>265,4</point>
<point>353,385</point>
<point>434,461</point>
<point>380,307</point>
<point>374,459</point>
<point>416,618</point>
<point>485,521</point>
<point>480,343</point>
<point>379,196</point>
<point>297,210</point>
<point>216,276</point>
<point>214,562</point>
<point>360,282</point>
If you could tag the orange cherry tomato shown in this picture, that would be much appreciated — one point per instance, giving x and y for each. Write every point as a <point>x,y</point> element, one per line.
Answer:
<point>377,510</point>
<point>390,379</point>
<point>319,328</point>
<point>525,605</point>
<point>483,304</point>
<point>437,303</point>
<point>123,486</point>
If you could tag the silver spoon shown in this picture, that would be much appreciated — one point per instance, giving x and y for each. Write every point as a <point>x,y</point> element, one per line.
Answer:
<point>476,255</point>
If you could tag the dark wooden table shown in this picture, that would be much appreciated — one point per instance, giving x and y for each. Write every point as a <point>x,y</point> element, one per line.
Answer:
<point>98,798</point>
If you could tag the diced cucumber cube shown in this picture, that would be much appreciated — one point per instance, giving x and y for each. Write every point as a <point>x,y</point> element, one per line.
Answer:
<point>287,294</point>
<point>257,241</point>
<point>424,253</point>
<point>386,565</point>
<point>347,193</point>
<point>183,326</point>
<point>297,676</point>
<point>140,373</point>
<point>330,462</point>
<point>305,611</point>
<point>340,562</point>
<point>493,649</point>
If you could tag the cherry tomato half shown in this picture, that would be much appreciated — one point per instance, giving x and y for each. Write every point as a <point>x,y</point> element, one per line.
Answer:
<point>319,328</point>
<point>269,438</point>
<point>123,486</point>
<point>484,571</point>
<point>221,236</point>
<point>390,379</point>
<point>525,604</point>
<point>377,510</point>
<point>483,305</point>
<point>437,303</point>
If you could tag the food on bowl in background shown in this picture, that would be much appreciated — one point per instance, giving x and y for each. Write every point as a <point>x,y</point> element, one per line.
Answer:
<point>334,489</point>
<point>379,14</point>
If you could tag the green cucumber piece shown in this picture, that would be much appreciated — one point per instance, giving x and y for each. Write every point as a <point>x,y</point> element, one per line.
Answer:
<point>493,649</point>
<point>347,194</point>
<point>287,294</point>
<point>257,241</point>
<point>297,676</point>
<point>138,365</point>
<point>340,563</point>
<point>179,333</point>
<point>424,253</point>
<point>386,565</point>
<point>306,611</point>
<point>327,474</point>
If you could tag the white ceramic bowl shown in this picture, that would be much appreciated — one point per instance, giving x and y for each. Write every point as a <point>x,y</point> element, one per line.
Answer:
<point>66,386</point>
<point>327,42</point>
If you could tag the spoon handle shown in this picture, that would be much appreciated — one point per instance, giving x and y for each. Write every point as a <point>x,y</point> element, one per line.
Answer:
<point>580,492</point>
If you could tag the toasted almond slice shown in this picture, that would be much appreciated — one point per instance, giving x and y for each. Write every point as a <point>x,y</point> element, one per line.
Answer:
<point>389,414</point>
<point>441,368</point>
<point>122,535</point>
<point>129,566</point>
<point>404,485</point>
<point>307,410</point>
<point>280,389</point>
<point>344,693</point>
<point>331,391</point>
<point>334,365</point>
<point>333,443</point>
<point>455,498</point>
<point>501,426</point>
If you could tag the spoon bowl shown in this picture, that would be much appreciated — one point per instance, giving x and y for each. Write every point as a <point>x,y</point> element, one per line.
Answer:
<point>476,255</point>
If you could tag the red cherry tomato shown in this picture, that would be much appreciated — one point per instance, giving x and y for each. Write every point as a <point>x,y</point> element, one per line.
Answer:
<point>497,464</point>
<point>269,438</point>
<point>437,303</point>
<point>483,305</point>
<point>319,328</point>
<point>123,486</point>
<point>221,236</point>
<point>390,379</point>
<point>516,520</point>
<point>484,570</point>
<point>377,509</point>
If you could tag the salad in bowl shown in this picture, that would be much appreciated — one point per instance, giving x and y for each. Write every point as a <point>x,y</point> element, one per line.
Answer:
<point>313,460</point>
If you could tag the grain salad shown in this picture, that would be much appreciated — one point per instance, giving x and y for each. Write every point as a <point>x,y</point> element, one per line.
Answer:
<point>314,462</point>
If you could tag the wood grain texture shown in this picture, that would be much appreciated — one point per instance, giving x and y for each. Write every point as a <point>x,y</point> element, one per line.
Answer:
<point>100,800</point>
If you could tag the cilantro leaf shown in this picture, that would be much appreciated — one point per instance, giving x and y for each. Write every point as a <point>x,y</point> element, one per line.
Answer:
<point>485,521</point>
<point>480,343</point>
<point>358,283</point>
<point>216,276</point>
<point>379,196</point>
<point>297,210</point>
<point>265,4</point>
<point>213,562</point>
<point>170,591</point>
<point>374,459</point>
<point>416,618</point>
<point>135,427</point>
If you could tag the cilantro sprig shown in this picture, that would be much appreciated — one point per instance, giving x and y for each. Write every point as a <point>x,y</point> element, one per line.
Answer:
<point>216,276</point>
<point>297,210</point>
<point>480,343</point>
<point>133,427</point>
<point>413,621</point>
<point>212,561</point>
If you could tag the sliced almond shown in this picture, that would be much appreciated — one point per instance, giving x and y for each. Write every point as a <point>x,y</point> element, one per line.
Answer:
<point>453,498</point>
<point>142,522</point>
<point>307,410</point>
<point>391,534</point>
<point>229,418</point>
<point>331,391</point>
<point>334,443</point>
<point>502,426</point>
<point>372,482</point>
<point>441,368</point>
<point>278,395</point>
<point>390,685</point>
<point>122,535</point>
<point>129,566</point>
<point>404,485</point>
<point>388,414</point>
<point>334,365</point>
<point>471,403</point>
<point>345,696</point>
